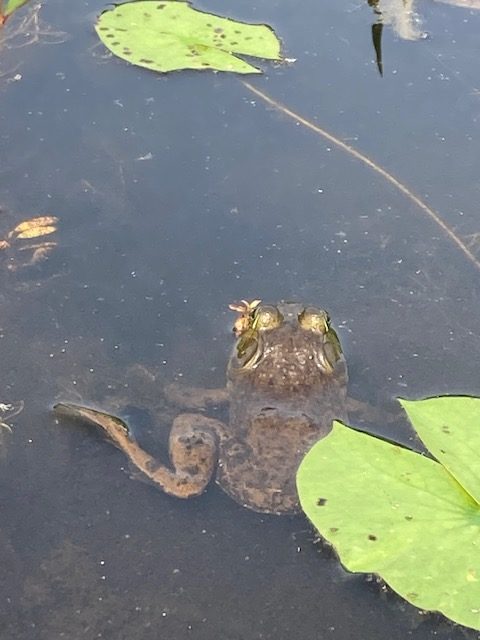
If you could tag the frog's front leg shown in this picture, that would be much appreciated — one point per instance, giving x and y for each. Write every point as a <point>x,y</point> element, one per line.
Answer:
<point>193,448</point>
<point>195,397</point>
<point>362,412</point>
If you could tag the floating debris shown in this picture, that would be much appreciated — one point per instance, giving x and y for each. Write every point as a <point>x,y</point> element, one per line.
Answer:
<point>27,230</point>
<point>34,227</point>
<point>8,411</point>
<point>244,321</point>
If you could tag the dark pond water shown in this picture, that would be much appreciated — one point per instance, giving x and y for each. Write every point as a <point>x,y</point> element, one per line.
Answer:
<point>177,195</point>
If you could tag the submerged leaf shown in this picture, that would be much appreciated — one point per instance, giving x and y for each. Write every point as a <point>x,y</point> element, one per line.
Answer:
<point>390,511</point>
<point>166,35</point>
<point>36,232</point>
<point>35,227</point>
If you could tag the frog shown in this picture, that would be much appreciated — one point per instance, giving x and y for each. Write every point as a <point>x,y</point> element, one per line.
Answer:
<point>286,384</point>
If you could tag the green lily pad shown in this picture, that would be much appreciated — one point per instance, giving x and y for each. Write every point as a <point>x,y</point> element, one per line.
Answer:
<point>11,5</point>
<point>393,512</point>
<point>166,35</point>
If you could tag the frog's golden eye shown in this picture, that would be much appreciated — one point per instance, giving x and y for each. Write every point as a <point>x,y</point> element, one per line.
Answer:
<point>267,317</point>
<point>331,352</point>
<point>247,345</point>
<point>249,349</point>
<point>316,320</point>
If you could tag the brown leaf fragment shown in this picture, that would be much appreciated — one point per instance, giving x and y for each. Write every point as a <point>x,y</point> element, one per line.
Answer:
<point>35,227</point>
<point>244,321</point>
<point>38,245</point>
<point>244,306</point>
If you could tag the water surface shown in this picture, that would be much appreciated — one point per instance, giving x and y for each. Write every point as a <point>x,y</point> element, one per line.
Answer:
<point>176,196</point>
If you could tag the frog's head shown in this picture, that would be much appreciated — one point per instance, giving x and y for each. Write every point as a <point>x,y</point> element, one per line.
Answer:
<point>285,345</point>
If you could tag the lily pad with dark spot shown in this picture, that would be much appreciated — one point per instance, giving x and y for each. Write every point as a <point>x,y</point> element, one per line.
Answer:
<point>169,35</point>
<point>401,515</point>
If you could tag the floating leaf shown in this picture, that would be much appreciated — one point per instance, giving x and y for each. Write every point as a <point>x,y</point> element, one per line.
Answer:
<point>246,310</point>
<point>166,35</point>
<point>36,232</point>
<point>11,5</point>
<point>35,227</point>
<point>398,514</point>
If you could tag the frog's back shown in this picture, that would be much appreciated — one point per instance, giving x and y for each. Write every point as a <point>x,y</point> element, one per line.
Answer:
<point>259,461</point>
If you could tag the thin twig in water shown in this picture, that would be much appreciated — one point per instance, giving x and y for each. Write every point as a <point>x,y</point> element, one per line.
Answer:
<point>27,28</point>
<point>431,213</point>
<point>24,28</point>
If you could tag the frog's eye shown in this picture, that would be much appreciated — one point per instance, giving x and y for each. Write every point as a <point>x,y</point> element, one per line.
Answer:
<point>332,347</point>
<point>246,346</point>
<point>316,320</point>
<point>249,349</point>
<point>267,317</point>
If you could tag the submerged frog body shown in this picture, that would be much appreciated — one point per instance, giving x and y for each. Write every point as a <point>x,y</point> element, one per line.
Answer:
<point>286,383</point>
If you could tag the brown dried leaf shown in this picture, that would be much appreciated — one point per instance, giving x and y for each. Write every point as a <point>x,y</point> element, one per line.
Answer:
<point>38,245</point>
<point>244,321</point>
<point>35,227</point>
<point>244,306</point>
<point>242,324</point>
<point>36,232</point>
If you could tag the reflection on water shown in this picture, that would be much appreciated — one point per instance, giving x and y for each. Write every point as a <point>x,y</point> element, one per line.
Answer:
<point>401,16</point>
<point>177,195</point>
<point>25,29</point>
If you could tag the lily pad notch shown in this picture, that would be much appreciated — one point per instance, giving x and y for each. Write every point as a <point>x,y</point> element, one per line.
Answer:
<point>411,519</point>
<point>169,35</point>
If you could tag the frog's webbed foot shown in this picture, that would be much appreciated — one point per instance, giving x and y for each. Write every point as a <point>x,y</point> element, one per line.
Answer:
<point>360,412</point>
<point>192,447</point>
<point>194,397</point>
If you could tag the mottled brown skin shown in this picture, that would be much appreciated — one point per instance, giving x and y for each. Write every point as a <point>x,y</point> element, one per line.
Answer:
<point>286,384</point>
